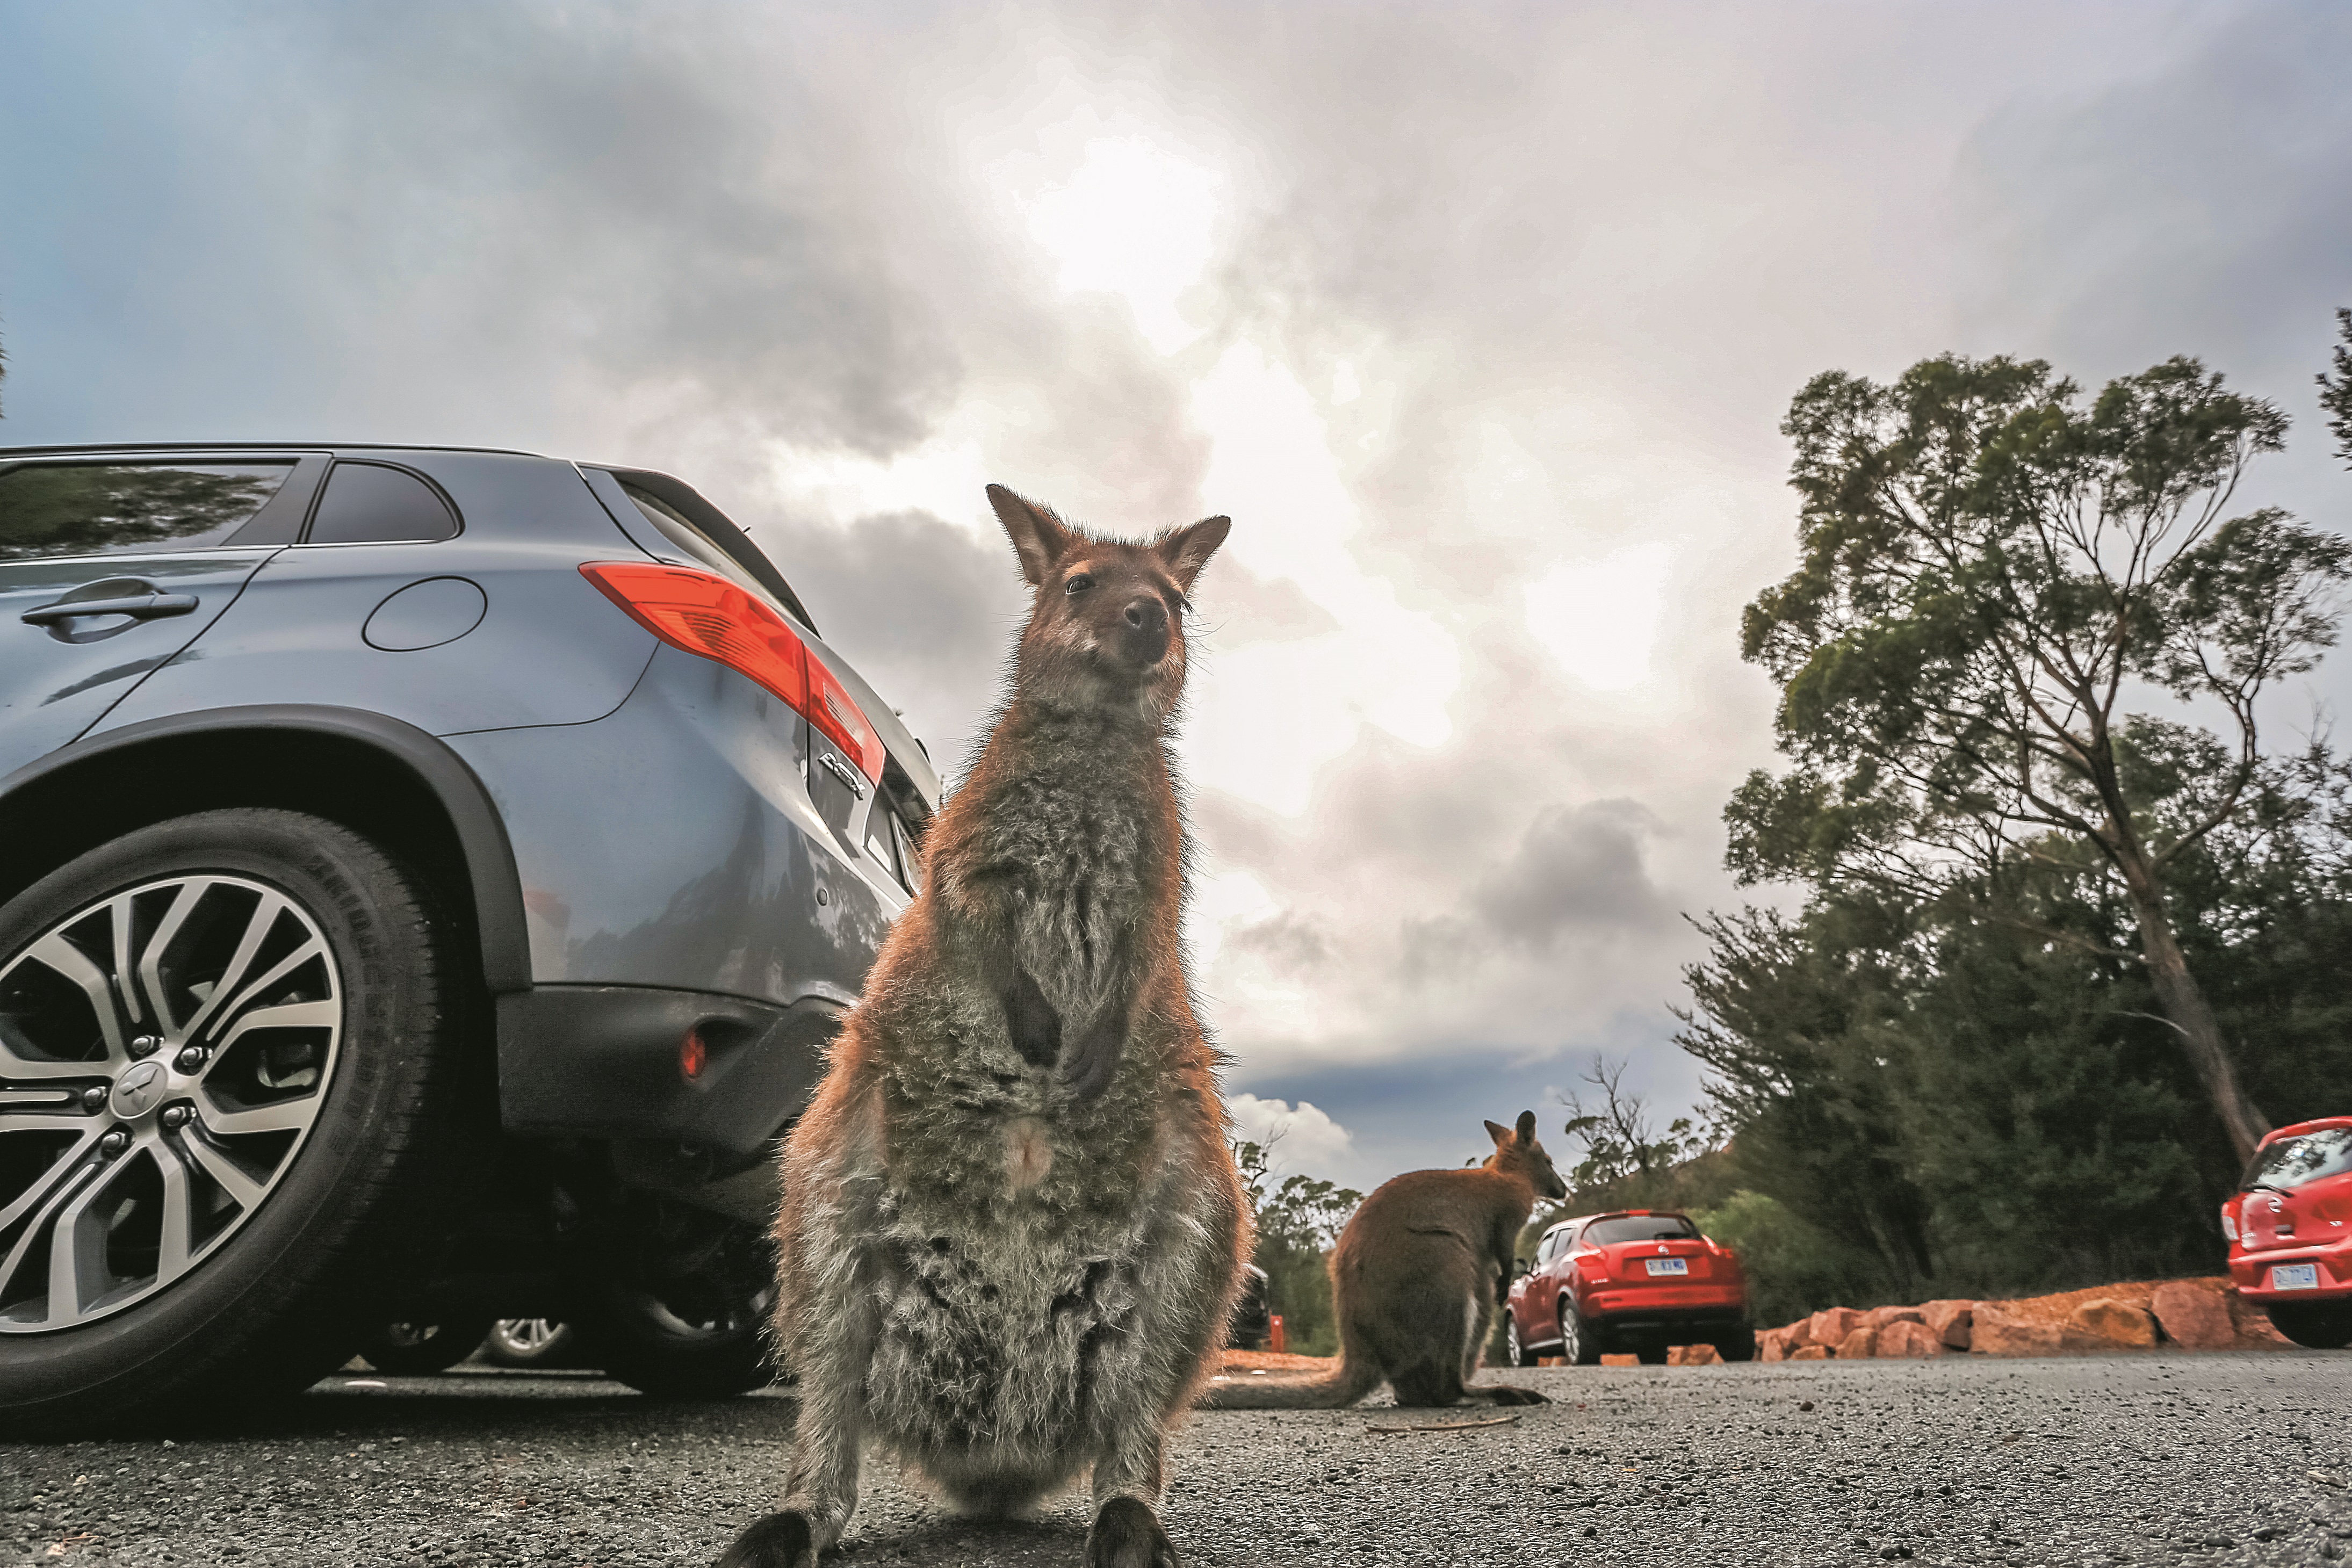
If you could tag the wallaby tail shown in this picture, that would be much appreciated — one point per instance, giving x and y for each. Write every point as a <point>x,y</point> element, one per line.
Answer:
<point>1344,1385</point>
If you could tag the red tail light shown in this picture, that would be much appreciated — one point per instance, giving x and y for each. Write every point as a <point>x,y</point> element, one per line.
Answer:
<point>708,616</point>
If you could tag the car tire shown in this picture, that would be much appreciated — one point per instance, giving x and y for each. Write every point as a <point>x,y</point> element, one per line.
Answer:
<point>1740,1345</point>
<point>2319,1325</point>
<point>282,1156</point>
<point>1515,1349</point>
<point>674,1301</point>
<point>530,1341</point>
<point>415,1350</point>
<point>1580,1336</point>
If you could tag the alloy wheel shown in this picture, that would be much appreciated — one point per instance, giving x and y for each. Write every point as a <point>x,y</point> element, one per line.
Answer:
<point>1571,1347</point>
<point>1513,1351</point>
<point>164,1055</point>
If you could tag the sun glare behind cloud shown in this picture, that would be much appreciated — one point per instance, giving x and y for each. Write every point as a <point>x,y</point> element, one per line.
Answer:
<point>1134,221</point>
<point>1599,618</point>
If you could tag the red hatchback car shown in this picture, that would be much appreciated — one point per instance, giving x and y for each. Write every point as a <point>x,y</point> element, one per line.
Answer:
<point>2290,1230</point>
<point>1634,1280</point>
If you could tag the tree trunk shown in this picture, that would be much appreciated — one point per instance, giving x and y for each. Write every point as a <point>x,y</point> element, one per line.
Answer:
<point>2201,1035</point>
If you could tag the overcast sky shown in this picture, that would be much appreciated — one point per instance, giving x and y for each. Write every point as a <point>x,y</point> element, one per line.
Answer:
<point>1479,321</point>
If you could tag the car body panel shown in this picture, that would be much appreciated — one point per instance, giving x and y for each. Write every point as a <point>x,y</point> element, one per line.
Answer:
<point>53,689</point>
<point>547,648</point>
<point>2303,1227</point>
<point>715,883</point>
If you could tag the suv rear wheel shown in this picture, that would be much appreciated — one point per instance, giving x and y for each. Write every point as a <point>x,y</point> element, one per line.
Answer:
<point>2320,1325</point>
<point>675,1301</point>
<point>227,1065</point>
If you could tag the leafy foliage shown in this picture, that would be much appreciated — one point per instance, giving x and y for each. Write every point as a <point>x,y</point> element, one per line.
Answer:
<point>1300,1219</point>
<point>1989,564</point>
<point>2336,389</point>
<point>1935,1101</point>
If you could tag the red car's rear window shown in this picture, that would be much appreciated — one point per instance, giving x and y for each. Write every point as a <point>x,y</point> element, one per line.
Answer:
<point>1640,1228</point>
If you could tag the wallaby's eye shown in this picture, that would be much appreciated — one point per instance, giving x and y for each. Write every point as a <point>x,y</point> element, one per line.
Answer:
<point>1079,582</point>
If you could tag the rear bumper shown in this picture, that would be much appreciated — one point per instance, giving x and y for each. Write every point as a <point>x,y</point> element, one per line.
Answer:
<point>2251,1272</point>
<point>604,1061</point>
<point>1665,1302</point>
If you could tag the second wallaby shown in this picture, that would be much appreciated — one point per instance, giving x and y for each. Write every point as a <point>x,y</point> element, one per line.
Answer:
<point>1415,1280</point>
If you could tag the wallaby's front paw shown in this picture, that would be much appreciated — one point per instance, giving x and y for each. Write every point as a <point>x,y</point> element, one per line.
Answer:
<point>779,1540</point>
<point>1127,1535</point>
<point>1508,1394</point>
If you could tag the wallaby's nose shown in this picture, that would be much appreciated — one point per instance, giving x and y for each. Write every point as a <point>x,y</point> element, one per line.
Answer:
<point>1146,635</point>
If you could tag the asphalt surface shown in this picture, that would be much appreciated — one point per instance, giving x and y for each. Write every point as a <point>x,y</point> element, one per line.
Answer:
<point>2156,1459</point>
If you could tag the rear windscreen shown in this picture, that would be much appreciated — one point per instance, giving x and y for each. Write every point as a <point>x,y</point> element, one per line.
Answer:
<point>1640,1228</point>
<point>2307,1157</point>
<point>129,508</point>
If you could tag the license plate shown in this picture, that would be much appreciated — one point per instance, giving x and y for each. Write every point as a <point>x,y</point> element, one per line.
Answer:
<point>1668,1266</point>
<point>2294,1275</point>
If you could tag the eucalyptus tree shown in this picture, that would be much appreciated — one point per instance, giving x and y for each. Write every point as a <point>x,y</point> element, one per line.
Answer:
<point>1992,567</point>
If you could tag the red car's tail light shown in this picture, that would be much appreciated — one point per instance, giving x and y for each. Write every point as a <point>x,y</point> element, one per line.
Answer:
<point>708,616</point>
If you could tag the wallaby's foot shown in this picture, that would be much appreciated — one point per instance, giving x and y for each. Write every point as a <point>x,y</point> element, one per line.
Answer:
<point>1508,1394</point>
<point>779,1540</point>
<point>1127,1535</point>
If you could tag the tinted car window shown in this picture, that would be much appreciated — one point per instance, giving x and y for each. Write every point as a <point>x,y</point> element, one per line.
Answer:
<point>692,541</point>
<point>369,502</point>
<point>1640,1228</point>
<point>129,508</point>
<point>2292,1162</point>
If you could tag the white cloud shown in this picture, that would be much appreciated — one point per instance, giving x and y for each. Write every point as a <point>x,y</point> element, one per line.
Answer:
<point>1266,716</point>
<point>1297,1138</point>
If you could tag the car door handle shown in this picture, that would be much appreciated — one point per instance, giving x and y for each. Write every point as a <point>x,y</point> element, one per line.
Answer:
<point>139,607</point>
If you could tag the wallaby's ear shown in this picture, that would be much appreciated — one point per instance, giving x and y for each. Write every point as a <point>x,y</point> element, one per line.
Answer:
<point>1526,1126</point>
<point>1499,1132</point>
<point>1187,550</point>
<point>1038,537</point>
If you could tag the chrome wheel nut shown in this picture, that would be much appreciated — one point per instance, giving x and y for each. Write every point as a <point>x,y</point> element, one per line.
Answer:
<point>146,1044</point>
<point>93,1097</point>
<point>114,1143</point>
<point>191,1058</point>
<point>175,1116</point>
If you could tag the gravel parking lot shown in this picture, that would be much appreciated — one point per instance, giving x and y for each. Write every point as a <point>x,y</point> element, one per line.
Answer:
<point>2202,1459</point>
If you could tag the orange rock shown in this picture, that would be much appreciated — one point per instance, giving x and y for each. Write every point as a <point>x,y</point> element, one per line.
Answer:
<point>1992,1333</point>
<point>1621,1360</point>
<point>1552,1361</point>
<point>1879,1317</point>
<point>1907,1339</point>
<point>1701,1355</point>
<point>2122,1322</point>
<point>1798,1334</point>
<point>1772,1346</point>
<point>2193,1316</point>
<point>1950,1320</point>
<point>1810,1353</point>
<point>1859,1345</point>
<point>1831,1325</point>
<point>2253,1324</point>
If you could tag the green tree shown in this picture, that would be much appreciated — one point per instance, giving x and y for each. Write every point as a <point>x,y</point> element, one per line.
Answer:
<point>1990,565</point>
<point>1300,1219</point>
<point>2336,391</point>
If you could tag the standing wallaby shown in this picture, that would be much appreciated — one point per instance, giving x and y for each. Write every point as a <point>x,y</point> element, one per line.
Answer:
<point>1415,1280</point>
<point>1012,1231</point>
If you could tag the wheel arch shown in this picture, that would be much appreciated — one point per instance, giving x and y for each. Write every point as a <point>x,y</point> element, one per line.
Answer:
<point>377,776</point>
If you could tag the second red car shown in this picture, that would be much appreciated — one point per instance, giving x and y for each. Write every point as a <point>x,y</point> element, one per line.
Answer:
<point>1635,1281</point>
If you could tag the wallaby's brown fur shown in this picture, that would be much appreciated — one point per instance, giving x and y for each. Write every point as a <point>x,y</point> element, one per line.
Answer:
<point>1415,1280</point>
<point>1012,1231</point>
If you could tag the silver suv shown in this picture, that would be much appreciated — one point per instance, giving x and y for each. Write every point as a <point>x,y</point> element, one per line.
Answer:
<point>429,880</point>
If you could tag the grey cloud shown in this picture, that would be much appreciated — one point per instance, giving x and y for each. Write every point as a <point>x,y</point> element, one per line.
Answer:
<point>1579,867</point>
